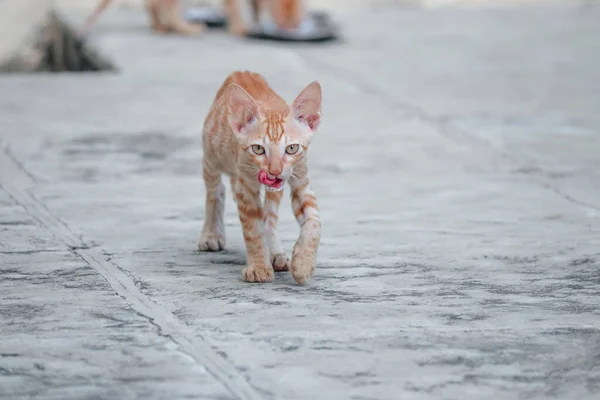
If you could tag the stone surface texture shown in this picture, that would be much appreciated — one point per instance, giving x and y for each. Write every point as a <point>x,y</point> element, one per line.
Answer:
<point>457,170</point>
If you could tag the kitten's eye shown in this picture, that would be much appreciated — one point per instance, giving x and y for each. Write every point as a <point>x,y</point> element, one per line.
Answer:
<point>292,149</point>
<point>258,149</point>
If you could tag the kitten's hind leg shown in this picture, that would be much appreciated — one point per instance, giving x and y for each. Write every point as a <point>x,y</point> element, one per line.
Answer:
<point>213,232</point>
<point>279,260</point>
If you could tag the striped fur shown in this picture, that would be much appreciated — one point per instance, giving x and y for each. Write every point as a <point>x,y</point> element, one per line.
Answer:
<point>247,113</point>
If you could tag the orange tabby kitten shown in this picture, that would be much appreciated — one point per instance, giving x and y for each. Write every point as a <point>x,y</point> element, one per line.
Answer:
<point>252,135</point>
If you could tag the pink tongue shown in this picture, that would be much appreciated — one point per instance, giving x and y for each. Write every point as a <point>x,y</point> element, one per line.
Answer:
<point>262,178</point>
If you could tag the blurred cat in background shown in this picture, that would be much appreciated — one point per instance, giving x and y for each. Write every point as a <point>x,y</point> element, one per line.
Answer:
<point>165,18</point>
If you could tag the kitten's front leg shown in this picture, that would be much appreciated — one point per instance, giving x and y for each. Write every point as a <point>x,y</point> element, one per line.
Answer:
<point>306,211</point>
<point>279,260</point>
<point>252,218</point>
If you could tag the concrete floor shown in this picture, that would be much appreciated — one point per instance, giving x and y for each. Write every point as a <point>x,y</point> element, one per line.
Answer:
<point>457,170</point>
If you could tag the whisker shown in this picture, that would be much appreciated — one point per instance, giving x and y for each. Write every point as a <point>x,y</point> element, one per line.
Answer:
<point>248,169</point>
<point>297,180</point>
<point>299,177</point>
<point>248,166</point>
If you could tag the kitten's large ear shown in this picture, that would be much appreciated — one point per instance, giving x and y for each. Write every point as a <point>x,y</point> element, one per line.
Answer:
<point>243,111</point>
<point>307,106</point>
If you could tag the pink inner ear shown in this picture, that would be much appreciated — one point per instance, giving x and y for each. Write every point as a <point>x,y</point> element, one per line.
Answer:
<point>248,120</point>
<point>311,120</point>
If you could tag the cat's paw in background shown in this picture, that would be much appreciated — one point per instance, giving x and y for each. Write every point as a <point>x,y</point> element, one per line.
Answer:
<point>238,29</point>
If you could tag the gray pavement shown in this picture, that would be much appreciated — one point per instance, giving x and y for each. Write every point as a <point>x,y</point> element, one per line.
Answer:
<point>457,171</point>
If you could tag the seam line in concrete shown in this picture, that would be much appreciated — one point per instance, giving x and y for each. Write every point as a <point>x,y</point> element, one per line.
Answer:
<point>442,127</point>
<point>166,323</point>
<point>24,252</point>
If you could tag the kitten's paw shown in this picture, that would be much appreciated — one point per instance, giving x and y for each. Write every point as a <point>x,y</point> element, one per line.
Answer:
<point>211,242</point>
<point>303,265</point>
<point>257,273</point>
<point>280,262</point>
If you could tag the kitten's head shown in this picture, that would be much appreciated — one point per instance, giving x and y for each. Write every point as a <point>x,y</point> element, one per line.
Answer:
<point>274,140</point>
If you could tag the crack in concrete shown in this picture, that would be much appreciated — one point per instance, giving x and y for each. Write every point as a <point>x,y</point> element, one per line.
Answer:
<point>16,182</point>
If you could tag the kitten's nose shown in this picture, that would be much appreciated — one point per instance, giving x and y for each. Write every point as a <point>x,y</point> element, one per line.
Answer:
<point>274,173</point>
